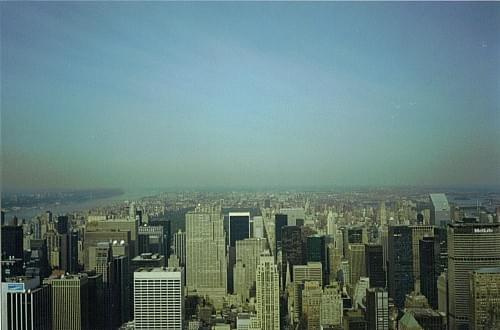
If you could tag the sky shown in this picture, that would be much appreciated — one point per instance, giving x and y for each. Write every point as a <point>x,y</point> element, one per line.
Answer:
<point>169,94</point>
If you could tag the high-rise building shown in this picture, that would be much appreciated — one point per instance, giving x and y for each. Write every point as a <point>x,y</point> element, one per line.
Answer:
<point>313,271</point>
<point>12,242</point>
<point>429,269</point>
<point>62,224</point>
<point>377,309</point>
<point>180,246</point>
<point>440,210</point>
<point>69,252</point>
<point>374,262</point>
<point>239,227</point>
<point>400,279</point>
<point>295,216</point>
<point>417,233</point>
<point>26,305</point>
<point>206,264</point>
<point>280,221</point>
<point>311,304</point>
<point>317,252</point>
<point>442,288</point>
<point>159,298</point>
<point>151,239</point>
<point>268,293</point>
<point>470,246</point>
<point>356,257</point>
<point>69,302</point>
<point>485,299</point>
<point>258,227</point>
<point>331,306</point>
<point>248,252</point>
<point>115,226</point>
<point>292,249</point>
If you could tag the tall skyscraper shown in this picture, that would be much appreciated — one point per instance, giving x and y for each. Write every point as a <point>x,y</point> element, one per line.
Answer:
<point>280,221</point>
<point>180,246</point>
<point>470,246</point>
<point>267,293</point>
<point>69,302</point>
<point>248,252</point>
<point>400,279</point>
<point>331,306</point>
<point>485,299</point>
<point>69,252</point>
<point>292,249</point>
<point>377,309</point>
<point>159,298</point>
<point>311,304</point>
<point>417,233</point>
<point>12,242</point>
<point>26,305</point>
<point>374,262</point>
<point>206,264</point>
<point>356,257</point>
<point>317,252</point>
<point>62,224</point>
<point>429,269</point>
<point>313,271</point>
<point>239,227</point>
<point>440,210</point>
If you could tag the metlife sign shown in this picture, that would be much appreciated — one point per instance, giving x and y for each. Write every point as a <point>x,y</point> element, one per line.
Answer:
<point>15,287</point>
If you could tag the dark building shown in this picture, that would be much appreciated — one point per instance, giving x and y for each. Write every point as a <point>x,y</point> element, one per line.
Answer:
<point>167,239</point>
<point>239,227</point>
<point>12,242</point>
<point>316,251</point>
<point>62,224</point>
<point>120,279</point>
<point>3,218</point>
<point>96,299</point>
<point>374,261</point>
<point>377,308</point>
<point>429,269</point>
<point>428,318</point>
<point>354,235</point>
<point>38,258</point>
<point>442,240</point>
<point>400,279</point>
<point>292,249</point>
<point>280,221</point>
<point>68,254</point>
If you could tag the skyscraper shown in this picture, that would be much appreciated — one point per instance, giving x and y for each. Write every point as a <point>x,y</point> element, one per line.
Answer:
<point>331,306</point>
<point>180,246</point>
<point>400,279</point>
<point>69,252</point>
<point>26,305</point>
<point>485,299</point>
<point>159,298</point>
<point>429,269</point>
<point>313,271</point>
<point>316,251</point>
<point>206,252</point>
<point>280,221</point>
<point>267,293</point>
<point>374,261</point>
<point>311,304</point>
<point>356,257</point>
<point>418,232</point>
<point>248,251</point>
<point>12,242</point>
<point>377,309</point>
<point>292,249</point>
<point>470,246</point>
<point>239,227</point>
<point>440,210</point>
<point>69,302</point>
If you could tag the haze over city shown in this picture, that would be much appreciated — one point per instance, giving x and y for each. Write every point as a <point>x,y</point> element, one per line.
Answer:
<point>137,95</point>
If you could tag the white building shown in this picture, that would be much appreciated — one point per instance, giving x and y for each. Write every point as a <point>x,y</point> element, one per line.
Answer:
<point>158,298</point>
<point>268,291</point>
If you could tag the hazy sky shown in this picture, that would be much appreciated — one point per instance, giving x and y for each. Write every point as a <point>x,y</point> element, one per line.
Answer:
<point>249,94</point>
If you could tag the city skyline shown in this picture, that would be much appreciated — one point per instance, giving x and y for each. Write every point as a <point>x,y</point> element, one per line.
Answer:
<point>139,95</point>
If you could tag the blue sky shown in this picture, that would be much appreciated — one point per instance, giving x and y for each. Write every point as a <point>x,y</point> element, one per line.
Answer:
<point>249,94</point>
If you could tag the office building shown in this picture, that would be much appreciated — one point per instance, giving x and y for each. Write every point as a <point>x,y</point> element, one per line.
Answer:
<point>374,262</point>
<point>354,320</point>
<point>485,299</point>
<point>417,234</point>
<point>239,227</point>
<point>429,269</point>
<point>311,304</point>
<point>68,253</point>
<point>180,247</point>
<point>356,257</point>
<point>313,271</point>
<point>471,246</point>
<point>26,305</point>
<point>267,293</point>
<point>70,303</point>
<point>206,264</point>
<point>440,210</point>
<point>115,226</point>
<point>12,242</point>
<point>331,309</point>
<point>248,253</point>
<point>159,298</point>
<point>377,309</point>
<point>280,221</point>
<point>317,252</point>
<point>400,279</point>
<point>292,249</point>
<point>151,239</point>
<point>62,224</point>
